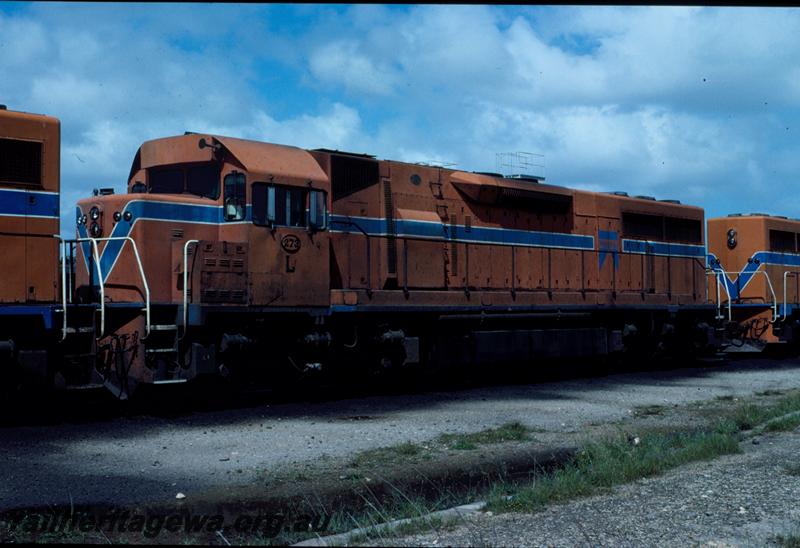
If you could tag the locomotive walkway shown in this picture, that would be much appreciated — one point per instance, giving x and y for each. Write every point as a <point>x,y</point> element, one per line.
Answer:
<point>222,456</point>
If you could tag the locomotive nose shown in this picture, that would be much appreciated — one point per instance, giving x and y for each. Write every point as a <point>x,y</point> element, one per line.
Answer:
<point>95,221</point>
<point>97,218</point>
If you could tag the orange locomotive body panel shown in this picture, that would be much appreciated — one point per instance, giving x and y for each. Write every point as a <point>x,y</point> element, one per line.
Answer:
<point>36,314</point>
<point>29,206</point>
<point>399,227</point>
<point>757,261</point>
<point>320,253</point>
<point>286,265</point>
<point>426,236</point>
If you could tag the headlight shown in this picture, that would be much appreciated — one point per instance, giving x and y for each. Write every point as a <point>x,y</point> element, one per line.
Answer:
<point>94,213</point>
<point>83,219</point>
<point>128,216</point>
<point>731,238</point>
<point>79,218</point>
<point>117,216</point>
<point>95,230</point>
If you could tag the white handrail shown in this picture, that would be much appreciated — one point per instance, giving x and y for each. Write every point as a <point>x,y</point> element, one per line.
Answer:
<point>63,245</point>
<point>774,305</point>
<point>186,286</point>
<point>93,241</point>
<point>102,282</point>
<point>774,298</point>
<point>717,275</point>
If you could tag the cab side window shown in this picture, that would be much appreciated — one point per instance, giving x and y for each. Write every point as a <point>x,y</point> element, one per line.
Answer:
<point>235,201</point>
<point>287,205</point>
<point>280,205</point>
<point>317,210</point>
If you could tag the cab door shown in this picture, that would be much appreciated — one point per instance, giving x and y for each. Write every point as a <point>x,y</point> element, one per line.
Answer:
<point>41,253</point>
<point>289,251</point>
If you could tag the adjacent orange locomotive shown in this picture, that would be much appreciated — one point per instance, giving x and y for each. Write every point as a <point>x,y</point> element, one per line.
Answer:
<point>230,254</point>
<point>756,260</point>
<point>32,303</point>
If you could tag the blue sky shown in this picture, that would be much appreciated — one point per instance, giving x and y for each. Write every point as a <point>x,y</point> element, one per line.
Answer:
<point>698,104</point>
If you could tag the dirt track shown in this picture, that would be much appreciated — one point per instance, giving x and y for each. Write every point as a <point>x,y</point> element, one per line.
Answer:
<point>234,453</point>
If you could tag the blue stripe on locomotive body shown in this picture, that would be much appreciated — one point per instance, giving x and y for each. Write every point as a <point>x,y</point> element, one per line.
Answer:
<point>665,249</point>
<point>18,203</point>
<point>609,244</point>
<point>155,211</point>
<point>151,210</point>
<point>737,285</point>
<point>461,233</point>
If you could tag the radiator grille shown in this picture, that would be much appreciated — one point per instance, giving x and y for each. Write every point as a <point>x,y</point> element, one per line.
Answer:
<point>20,162</point>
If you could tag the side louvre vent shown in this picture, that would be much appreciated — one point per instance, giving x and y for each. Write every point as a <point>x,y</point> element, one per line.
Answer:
<point>391,230</point>
<point>349,175</point>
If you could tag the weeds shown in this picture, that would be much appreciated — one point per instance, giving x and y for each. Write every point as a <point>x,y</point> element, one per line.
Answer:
<point>602,465</point>
<point>512,431</point>
<point>783,424</point>
<point>646,410</point>
<point>771,392</point>
<point>386,455</point>
<point>382,456</point>
<point>792,469</point>
<point>787,541</point>
<point>749,416</point>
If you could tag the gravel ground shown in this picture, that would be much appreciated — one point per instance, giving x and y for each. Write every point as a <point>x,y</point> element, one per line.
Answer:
<point>149,459</point>
<point>736,500</point>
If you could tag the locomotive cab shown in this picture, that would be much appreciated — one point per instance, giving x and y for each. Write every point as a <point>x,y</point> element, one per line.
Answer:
<point>209,224</point>
<point>202,192</point>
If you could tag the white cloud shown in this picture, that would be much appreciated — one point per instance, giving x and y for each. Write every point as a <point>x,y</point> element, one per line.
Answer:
<point>677,102</point>
<point>343,63</point>
<point>338,127</point>
<point>22,42</point>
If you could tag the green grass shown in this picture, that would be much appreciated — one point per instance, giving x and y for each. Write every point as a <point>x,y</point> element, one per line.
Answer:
<point>787,541</point>
<point>512,431</point>
<point>386,455</point>
<point>602,465</point>
<point>646,410</point>
<point>747,417</point>
<point>783,424</point>
<point>378,511</point>
<point>792,469</point>
<point>771,392</point>
<point>383,456</point>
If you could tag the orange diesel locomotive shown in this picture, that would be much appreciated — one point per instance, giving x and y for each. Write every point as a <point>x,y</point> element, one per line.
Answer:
<point>243,257</point>
<point>32,320</point>
<point>29,210</point>
<point>756,261</point>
